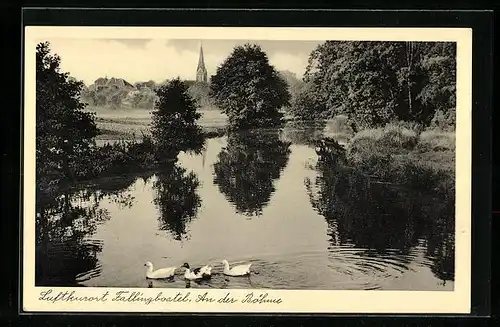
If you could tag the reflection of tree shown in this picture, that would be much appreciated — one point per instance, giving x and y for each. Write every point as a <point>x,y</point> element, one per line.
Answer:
<point>65,255</point>
<point>247,168</point>
<point>62,251</point>
<point>380,215</point>
<point>441,241</point>
<point>114,189</point>
<point>177,199</point>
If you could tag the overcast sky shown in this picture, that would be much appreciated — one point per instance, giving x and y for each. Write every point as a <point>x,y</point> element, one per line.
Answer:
<point>156,59</point>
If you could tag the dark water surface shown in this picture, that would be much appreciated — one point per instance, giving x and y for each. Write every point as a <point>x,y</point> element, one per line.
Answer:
<point>262,199</point>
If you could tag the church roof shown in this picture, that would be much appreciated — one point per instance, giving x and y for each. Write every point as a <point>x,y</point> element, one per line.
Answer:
<point>201,61</point>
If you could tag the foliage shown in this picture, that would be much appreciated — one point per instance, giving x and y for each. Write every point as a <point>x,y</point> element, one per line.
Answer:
<point>177,199</point>
<point>144,98</point>
<point>306,105</point>
<point>107,92</point>
<point>249,90</point>
<point>119,158</point>
<point>374,83</point>
<point>444,120</point>
<point>116,93</point>
<point>400,155</point>
<point>200,93</point>
<point>390,137</point>
<point>64,132</point>
<point>386,215</point>
<point>174,127</point>
<point>246,169</point>
<point>436,140</point>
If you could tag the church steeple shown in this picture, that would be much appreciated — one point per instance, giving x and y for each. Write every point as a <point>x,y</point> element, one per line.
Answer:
<point>201,71</point>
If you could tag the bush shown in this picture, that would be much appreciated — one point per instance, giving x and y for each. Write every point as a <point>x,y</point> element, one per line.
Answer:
<point>444,120</point>
<point>436,140</point>
<point>386,154</point>
<point>393,138</point>
<point>117,158</point>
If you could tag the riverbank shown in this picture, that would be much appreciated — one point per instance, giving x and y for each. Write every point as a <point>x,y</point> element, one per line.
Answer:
<point>403,156</point>
<point>432,147</point>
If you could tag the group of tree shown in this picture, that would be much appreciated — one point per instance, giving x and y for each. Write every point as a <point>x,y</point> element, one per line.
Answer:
<point>373,83</point>
<point>65,131</point>
<point>116,93</point>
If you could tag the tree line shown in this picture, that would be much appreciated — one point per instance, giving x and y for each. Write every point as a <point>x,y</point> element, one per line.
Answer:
<point>374,83</point>
<point>117,93</point>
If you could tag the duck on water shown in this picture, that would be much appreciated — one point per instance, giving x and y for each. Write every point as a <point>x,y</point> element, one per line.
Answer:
<point>197,273</point>
<point>240,270</point>
<point>161,273</point>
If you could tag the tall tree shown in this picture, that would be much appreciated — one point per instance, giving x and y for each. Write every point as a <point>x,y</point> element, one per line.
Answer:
<point>64,131</point>
<point>377,82</point>
<point>249,90</point>
<point>174,127</point>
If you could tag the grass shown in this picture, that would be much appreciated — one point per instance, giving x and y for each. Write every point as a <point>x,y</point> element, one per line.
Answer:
<point>403,155</point>
<point>390,137</point>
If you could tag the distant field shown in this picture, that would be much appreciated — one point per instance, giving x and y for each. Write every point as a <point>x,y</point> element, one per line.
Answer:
<point>123,124</point>
<point>131,124</point>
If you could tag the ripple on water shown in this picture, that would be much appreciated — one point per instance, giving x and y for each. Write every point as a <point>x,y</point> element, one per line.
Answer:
<point>339,268</point>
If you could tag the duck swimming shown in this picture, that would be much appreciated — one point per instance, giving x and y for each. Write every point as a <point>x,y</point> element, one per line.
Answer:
<point>240,270</point>
<point>197,273</point>
<point>159,273</point>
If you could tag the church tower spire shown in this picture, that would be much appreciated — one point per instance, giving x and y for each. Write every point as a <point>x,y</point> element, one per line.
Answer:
<point>201,71</point>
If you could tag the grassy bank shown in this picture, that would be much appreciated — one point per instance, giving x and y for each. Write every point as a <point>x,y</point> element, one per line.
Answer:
<point>406,156</point>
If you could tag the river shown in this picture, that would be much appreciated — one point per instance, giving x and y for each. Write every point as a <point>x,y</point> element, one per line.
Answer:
<point>260,199</point>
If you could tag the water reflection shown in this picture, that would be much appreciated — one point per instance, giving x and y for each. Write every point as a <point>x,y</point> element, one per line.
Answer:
<point>304,133</point>
<point>177,199</point>
<point>65,256</point>
<point>247,168</point>
<point>384,217</point>
<point>341,231</point>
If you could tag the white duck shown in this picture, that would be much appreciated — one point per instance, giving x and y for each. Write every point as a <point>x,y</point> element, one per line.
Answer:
<point>197,273</point>
<point>240,270</point>
<point>159,273</point>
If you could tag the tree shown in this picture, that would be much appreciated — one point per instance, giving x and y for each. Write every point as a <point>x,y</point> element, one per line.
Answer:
<point>64,132</point>
<point>249,90</point>
<point>174,126</point>
<point>200,92</point>
<point>374,83</point>
<point>438,95</point>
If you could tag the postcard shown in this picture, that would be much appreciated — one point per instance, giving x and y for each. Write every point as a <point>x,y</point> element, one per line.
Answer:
<point>247,170</point>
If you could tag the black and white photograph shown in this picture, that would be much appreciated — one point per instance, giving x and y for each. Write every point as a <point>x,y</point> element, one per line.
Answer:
<point>231,162</point>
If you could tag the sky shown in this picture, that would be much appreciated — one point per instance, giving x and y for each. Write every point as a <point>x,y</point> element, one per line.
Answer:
<point>137,60</point>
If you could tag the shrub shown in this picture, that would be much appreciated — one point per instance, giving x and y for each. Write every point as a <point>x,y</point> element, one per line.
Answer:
<point>436,140</point>
<point>382,141</point>
<point>444,120</point>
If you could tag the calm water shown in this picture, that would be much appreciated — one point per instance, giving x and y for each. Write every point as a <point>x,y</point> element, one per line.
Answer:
<point>265,199</point>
